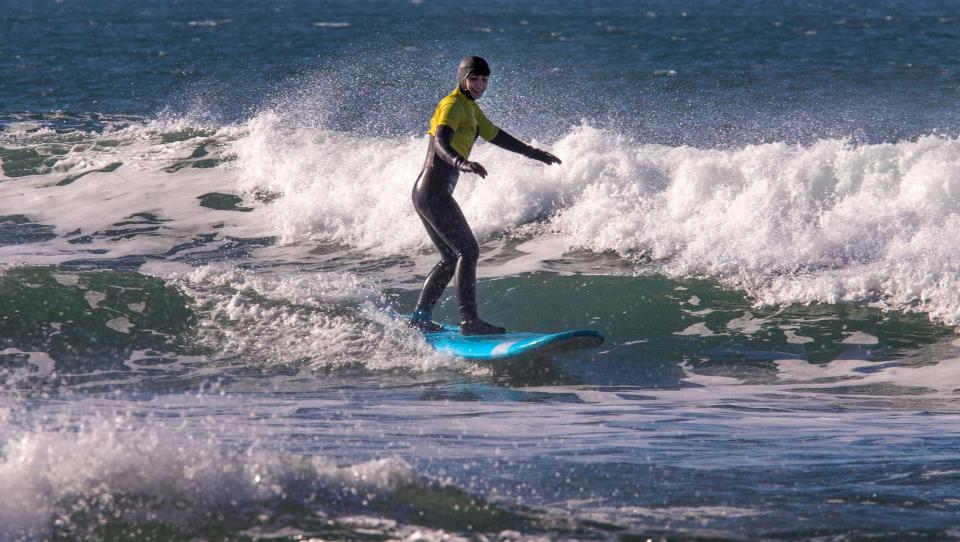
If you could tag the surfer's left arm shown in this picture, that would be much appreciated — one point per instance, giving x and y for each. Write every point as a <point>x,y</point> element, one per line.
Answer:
<point>512,144</point>
<point>499,137</point>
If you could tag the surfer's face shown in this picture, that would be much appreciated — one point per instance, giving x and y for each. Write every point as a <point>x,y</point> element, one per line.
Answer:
<point>476,85</point>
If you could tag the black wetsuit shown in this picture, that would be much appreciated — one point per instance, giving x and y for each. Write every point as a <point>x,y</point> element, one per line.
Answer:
<point>447,228</point>
<point>445,223</point>
<point>442,217</point>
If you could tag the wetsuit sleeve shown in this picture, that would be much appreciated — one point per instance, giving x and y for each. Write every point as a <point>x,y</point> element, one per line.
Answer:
<point>485,128</point>
<point>510,143</point>
<point>443,148</point>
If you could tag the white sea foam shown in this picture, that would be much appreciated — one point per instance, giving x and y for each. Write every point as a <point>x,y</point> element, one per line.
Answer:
<point>699,329</point>
<point>703,514</point>
<point>322,320</point>
<point>826,222</point>
<point>940,377</point>
<point>746,324</point>
<point>787,223</point>
<point>794,338</point>
<point>209,22</point>
<point>338,186</point>
<point>42,364</point>
<point>110,471</point>
<point>335,186</point>
<point>101,202</point>
<point>800,384</point>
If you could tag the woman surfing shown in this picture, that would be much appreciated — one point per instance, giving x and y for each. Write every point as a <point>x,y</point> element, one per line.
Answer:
<point>454,127</point>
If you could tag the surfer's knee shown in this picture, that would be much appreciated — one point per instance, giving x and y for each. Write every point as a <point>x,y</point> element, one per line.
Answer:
<point>470,251</point>
<point>447,263</point>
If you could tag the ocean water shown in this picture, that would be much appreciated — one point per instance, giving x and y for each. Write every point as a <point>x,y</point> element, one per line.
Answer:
<point>205,223</point>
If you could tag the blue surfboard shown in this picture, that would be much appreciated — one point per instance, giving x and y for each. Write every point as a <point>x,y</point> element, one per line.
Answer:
<point>510,345</point>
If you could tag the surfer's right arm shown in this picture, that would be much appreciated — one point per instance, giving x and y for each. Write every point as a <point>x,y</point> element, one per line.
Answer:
<point>442,146</point>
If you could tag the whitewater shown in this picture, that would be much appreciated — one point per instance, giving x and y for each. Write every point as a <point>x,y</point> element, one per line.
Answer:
<point>826,222</point>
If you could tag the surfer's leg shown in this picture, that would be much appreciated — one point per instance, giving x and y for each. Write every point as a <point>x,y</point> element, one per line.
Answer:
<point>446,220</point>
<point>429,180</point>
<point>449,231</point>
<point>440,275</point>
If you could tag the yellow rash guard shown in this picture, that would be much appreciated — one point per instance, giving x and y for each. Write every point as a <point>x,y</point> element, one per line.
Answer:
<point>464,116</point>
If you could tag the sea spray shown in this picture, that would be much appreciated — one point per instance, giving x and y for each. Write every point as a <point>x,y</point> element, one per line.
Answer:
<point>784,222</point>
<point>120,470</point>
<point>290,320</point>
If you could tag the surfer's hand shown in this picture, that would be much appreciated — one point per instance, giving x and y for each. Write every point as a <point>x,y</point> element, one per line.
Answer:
<point>473,167</point>
<point>543,156</point>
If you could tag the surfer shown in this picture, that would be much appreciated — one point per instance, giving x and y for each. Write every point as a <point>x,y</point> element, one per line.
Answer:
<point>454,127</point>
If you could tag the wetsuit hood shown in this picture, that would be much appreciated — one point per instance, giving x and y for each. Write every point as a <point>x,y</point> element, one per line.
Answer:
<point>470,64</point>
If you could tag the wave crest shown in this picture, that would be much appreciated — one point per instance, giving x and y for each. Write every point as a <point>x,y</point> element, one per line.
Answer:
<point>789,223</point>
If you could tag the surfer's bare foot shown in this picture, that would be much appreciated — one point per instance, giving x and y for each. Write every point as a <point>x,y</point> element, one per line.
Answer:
<point>479,327</point>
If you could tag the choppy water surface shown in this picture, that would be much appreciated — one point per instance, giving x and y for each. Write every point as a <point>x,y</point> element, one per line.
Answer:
<point>205,225</point>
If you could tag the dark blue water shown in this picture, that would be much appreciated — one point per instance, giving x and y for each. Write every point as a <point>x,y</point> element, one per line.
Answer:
<point>699,72</point>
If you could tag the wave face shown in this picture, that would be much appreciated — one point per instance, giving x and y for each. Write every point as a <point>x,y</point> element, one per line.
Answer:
<point>70,485</point>
<point>824,222</point>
